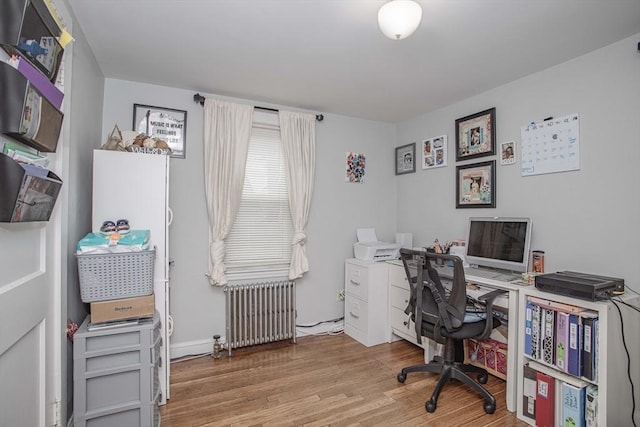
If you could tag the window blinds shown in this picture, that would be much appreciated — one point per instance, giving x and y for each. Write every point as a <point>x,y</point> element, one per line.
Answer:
<point>259,243</point>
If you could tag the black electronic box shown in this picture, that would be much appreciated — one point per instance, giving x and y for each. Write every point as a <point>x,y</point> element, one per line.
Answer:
<point>580,285</point>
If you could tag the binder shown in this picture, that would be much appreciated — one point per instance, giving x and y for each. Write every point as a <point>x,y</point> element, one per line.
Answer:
<point>596,343</point>
<point>591,406</point>
<point>548,335</point>
<point>574,362</point>
<point>529,393</point>
<point>536,318</point>
<point>562,340</point>
<point>528,323</point>
<point>588,342</point>
<point>545,400</point>
<point>573,405</point>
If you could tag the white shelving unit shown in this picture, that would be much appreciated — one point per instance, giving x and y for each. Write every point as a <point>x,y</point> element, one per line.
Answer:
<point>614,389</point>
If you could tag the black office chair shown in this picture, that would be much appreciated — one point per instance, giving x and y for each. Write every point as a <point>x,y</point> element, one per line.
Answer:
<point>439,314</point>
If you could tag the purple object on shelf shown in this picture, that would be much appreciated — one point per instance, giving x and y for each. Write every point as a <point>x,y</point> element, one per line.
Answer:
<point>41,82</point>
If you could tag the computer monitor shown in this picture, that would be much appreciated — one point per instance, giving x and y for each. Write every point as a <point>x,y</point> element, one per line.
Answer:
<point>499,242</point>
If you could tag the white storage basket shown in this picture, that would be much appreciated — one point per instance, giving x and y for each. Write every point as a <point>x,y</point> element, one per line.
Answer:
<point>115,275</point>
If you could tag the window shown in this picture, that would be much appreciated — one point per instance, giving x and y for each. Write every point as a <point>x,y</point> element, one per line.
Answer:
<point>259,244</point>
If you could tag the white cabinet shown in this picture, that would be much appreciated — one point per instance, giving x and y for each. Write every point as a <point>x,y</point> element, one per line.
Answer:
<point>614,401</point>
<point>400,323</point>
<point>366,315</point>
<point>135,186</point>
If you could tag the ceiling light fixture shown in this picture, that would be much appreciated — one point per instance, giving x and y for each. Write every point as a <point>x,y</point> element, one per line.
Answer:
<point>398,19</point>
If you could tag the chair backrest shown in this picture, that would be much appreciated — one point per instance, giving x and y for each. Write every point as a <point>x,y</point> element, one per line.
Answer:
<point>430,301</point>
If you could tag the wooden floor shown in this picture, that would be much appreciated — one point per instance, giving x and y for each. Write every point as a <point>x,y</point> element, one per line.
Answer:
<point>322,380</point>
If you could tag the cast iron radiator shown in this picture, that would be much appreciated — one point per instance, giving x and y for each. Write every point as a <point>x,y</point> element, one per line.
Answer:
<point>260,313</point>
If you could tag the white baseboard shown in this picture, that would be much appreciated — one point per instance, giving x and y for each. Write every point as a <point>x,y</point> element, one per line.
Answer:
<point>191,348</point>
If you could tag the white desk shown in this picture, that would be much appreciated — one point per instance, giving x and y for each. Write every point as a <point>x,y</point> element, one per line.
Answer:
<point>509,302</point>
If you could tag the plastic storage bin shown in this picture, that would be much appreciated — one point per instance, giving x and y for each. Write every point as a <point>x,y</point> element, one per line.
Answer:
<point>115,275</point>
<point>115,375</point>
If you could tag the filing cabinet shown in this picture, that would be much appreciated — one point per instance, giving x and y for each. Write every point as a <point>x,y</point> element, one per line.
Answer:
<point>366,310</point>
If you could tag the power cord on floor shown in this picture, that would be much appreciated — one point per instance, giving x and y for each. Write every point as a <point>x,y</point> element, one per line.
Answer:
<point>337,328</point>
<point>624,343</point>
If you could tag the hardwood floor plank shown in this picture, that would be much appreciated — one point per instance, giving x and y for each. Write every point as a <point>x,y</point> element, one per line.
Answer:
<point>321,381</point>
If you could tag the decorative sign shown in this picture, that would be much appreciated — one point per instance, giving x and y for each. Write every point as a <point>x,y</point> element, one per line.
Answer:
<point>165,123</point>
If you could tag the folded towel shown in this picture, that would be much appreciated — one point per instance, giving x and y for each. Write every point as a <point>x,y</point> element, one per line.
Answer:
<point>133,241</point>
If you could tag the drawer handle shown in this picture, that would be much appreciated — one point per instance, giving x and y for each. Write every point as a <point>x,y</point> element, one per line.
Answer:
<point>354,315</point>
<point>354,282</point>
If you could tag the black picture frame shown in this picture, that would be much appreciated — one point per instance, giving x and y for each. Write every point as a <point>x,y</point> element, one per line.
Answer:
<point>476,185</point>
<point>405,159</point>
<point>476,135</point>
<point>168,124</point>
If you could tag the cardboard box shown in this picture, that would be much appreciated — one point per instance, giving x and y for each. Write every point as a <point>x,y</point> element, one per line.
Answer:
<point>122,309</point>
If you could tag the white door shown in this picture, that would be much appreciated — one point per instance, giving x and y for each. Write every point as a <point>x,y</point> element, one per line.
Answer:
<point>30,332</point>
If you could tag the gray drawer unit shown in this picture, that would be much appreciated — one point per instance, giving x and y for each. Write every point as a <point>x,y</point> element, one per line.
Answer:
<point>115,374</point>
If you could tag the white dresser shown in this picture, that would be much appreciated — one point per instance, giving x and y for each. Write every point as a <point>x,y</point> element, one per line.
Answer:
<point>366,303</point>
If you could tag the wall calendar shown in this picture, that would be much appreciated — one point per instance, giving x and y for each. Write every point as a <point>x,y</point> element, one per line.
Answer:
<point>551,145</point>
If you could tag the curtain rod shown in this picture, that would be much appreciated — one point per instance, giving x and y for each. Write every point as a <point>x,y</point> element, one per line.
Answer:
<point>200,100</point>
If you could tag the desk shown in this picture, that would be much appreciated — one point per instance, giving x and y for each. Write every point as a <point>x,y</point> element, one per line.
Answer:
<point>509,302</point>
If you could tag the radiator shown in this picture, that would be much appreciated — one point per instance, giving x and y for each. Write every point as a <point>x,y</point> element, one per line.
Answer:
<point>260,313</point>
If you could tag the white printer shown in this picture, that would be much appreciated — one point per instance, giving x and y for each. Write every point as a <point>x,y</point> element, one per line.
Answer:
<point>368,248</point>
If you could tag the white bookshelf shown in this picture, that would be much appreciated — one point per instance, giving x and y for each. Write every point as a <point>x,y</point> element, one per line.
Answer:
<point>614,389</point>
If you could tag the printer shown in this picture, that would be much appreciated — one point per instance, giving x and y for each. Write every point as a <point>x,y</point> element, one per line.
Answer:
<point>369,248</point>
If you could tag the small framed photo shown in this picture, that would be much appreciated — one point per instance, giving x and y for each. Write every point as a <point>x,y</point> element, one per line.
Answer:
<point>167,124</point>
<point>406,159</point>
<point>476,185</point>
<point>434,152</point>
<point>476,135</point>
<point>508,153</point>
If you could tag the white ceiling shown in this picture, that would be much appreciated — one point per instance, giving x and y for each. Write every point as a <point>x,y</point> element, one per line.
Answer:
<point>329,56</point>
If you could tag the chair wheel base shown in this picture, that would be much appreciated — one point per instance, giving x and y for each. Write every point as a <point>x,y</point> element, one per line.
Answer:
<point>489,407</point>
<point>401,377</point>
<point>430,406</point>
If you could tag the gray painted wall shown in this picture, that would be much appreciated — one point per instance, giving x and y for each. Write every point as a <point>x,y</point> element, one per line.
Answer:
<point>581,219</point>
<point>84,91</point>
<point>338,208</point>
<point>584,220</point>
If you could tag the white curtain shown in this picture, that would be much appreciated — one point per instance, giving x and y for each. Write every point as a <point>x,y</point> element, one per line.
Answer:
<point>227,130</point>
<point>298,133</point>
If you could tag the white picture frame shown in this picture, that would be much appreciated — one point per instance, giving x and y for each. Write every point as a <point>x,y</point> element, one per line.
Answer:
<point>434,152</point>
<point>507,153</point>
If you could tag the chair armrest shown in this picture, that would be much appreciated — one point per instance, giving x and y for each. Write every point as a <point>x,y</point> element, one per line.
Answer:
<point>488,299</point>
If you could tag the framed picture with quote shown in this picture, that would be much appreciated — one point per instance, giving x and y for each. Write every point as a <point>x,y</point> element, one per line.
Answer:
<point>476,135</point>
<point>167,124</point>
